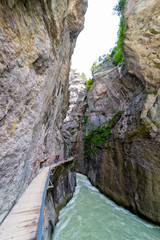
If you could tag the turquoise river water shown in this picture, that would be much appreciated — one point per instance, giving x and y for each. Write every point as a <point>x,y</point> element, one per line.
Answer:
<point>91,216</point>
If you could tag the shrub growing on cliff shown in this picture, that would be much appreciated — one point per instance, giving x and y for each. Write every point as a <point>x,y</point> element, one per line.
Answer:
<point>83,75</point>
<point>95,138</point>
<point>84,120</point>
<point>101,59</point>
<point>94,66</point>
<point>154,92</point>
<point>117,52</point>
<point>73,163</point>
<point>119,7</point>
<point>89,83</point>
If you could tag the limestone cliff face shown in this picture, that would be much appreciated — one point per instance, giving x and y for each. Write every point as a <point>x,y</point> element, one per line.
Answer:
<point>141,44</point>
<point>127,166</point>
<point>37,41</point>
<point>74,120</point>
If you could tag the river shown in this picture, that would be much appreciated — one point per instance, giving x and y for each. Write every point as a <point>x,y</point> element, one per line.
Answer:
<point>89,215</point>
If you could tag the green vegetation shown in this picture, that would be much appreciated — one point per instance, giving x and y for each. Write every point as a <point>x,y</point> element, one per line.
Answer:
<point>67,144</point>
<point>115,118</point>
<point>155,92</point>
<point>83,76</point>
<point>72,133</point>
<point>95,138</point>
<point>101,59</point>
<point>119,8</point>
<point>73,163</point>
<point>114,79</point>
<point>89,83</point>
<point>94,66</point>
<point>84,120</point>
<point>75,71</point>
<point>117,51</point>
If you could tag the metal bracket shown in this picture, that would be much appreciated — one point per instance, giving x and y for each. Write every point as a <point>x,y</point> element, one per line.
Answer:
<point>50,185</point>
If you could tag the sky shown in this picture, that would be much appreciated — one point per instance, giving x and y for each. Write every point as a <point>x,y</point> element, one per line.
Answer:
<point>98,37</point>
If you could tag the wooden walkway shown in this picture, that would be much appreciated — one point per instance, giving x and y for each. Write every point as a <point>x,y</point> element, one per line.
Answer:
<point>22,221</point>
<point>62,162</point>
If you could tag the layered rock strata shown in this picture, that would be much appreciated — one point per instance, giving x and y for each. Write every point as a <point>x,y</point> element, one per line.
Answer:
<point>37,41</point>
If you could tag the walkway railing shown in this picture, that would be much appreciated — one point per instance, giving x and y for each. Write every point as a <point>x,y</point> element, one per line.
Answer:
<point>40,224</point>
<point>27,214</point>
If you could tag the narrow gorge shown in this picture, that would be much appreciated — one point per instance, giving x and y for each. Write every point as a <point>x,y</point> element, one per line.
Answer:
<point>115,128</point>
<point>111,129</point>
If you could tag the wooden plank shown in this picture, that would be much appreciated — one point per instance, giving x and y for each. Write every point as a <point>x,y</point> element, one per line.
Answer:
<point>23,219</point>
<point>61,162</point>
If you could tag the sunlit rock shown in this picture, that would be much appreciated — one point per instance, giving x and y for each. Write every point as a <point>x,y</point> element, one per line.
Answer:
<point>141,44</point>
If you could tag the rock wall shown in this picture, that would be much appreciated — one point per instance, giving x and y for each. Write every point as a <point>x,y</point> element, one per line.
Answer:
<point>141,44</point>
<point>73,123</point>
<point>127,166</point>
<point>37,39</point>
<point>64,181</point>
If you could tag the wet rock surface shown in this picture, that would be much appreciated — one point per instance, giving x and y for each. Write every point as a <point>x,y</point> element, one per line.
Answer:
<point>37,39</point>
